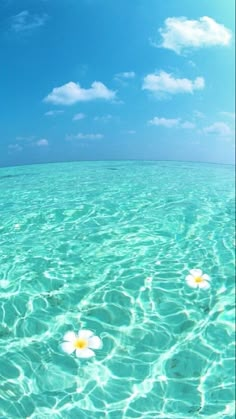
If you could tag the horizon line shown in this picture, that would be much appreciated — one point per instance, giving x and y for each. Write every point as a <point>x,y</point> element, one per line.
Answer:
<point>116,160</point>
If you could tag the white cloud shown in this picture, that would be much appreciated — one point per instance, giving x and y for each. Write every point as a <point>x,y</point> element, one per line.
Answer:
<point>30,141</point>
<point>118,102</point>
<point>192,63</point>
<point>125,75</point>
<point>165,83</point>
<point>228,114</point>
<point>24,21</point>
<point>71,93</point>
<point>164,122</point>
<point>198,114</point>
<point>103,118</point>
<point>42,143</point>
<point>81,136</point>
<point>14,147</point>
<point>26,139</point>
<point>180,33</point>
<point>218,128</point>
<point>53,113</point>
<point>171,123</point>
<point>187,125</point>
<point>79,116</point>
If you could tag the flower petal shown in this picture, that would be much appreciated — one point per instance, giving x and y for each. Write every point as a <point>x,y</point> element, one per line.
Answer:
<point>95,342</point>
<point>206,277</point>
<point>85,334</point>
<point>68,347</point>
<point>84,353</point>
<point>191,283</point>
<point>70,337</point>
<point>204,285</point>
<point>196,272</point>
<point>189,278</point>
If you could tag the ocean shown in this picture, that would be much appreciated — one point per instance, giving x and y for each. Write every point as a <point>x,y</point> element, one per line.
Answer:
<point>106,247</point>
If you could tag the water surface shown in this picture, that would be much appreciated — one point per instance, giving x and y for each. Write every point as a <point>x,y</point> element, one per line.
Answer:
<point>78,242</point>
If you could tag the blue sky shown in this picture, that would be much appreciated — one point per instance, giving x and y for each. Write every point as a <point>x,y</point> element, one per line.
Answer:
<point>99,79</point>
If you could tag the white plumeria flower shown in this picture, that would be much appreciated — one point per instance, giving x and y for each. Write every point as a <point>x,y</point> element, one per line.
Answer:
<point>197,279</point>
<point>83,343</point>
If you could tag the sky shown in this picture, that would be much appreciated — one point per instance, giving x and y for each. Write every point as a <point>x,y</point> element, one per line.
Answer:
<point>114,80</point>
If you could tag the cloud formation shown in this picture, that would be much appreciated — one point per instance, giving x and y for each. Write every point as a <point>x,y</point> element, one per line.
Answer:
<point>81,136</point>
<point>198,114</point>
<point>28,139</point>
<point>53,113</point>
<point>103,118</point>
<point>27,142</point>
<point>79,116</point>
<point>14,147</point>
<point>131,132</point>
<point>24,21</point>
<point>71,93</point>
<point>125,75</point>
<point>180,34</point>
<point>187,125</point>
<point>164,122</point>
<point>228,114</point>
<point>171,123</point>
<point>163,83</point>
<point>219,129</point>
<point>42,143</point>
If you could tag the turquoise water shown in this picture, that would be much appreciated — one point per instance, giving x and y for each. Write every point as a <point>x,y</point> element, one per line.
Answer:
<point>106,246</point>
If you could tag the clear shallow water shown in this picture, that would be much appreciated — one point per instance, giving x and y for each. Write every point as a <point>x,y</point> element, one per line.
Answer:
<point>89,236</point>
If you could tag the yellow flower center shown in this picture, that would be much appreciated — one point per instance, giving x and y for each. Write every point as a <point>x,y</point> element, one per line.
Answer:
<point>81,343</point>
<point>199,279</point>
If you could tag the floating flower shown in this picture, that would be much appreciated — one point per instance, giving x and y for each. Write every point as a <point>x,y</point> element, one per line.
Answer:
<point>83,343</point>
<point>197,279</point>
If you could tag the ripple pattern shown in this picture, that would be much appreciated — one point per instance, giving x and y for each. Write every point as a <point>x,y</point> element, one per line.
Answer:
<point>106,246</point>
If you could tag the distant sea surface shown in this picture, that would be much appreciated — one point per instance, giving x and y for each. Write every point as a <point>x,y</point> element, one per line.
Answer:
<point>106,246</point>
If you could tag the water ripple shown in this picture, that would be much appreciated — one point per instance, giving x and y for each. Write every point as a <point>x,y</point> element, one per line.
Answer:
<point>107,248</point>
